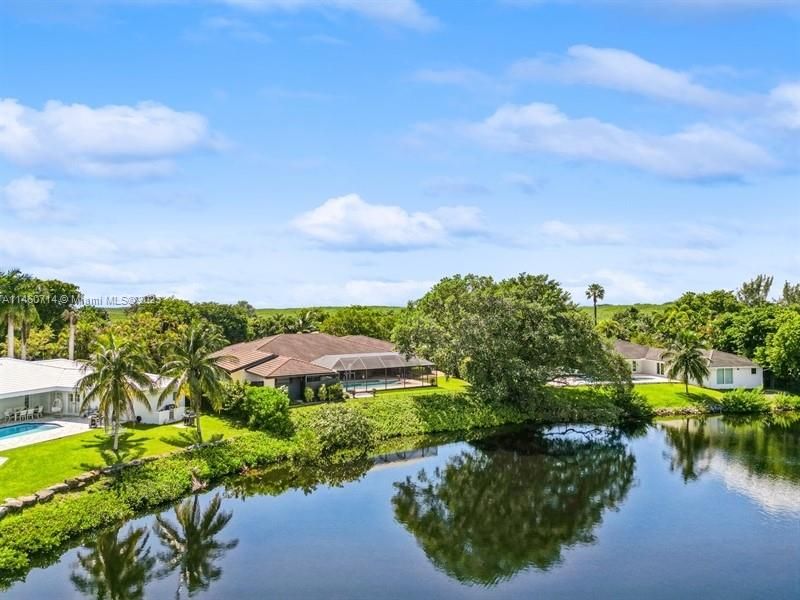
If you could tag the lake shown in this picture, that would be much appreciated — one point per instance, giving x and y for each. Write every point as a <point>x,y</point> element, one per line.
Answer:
<point>683,508</point>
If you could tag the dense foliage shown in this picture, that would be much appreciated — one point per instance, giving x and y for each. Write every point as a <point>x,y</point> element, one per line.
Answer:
<point>267,409</point>
<point>507,338</point>
<point>339,427</point>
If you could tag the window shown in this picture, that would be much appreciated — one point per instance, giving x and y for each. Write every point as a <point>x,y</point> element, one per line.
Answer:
<point>724,376</point>
<point>256,383</point>
<point>659,368</point>
<point>633,366</point>
<point>754,371</point>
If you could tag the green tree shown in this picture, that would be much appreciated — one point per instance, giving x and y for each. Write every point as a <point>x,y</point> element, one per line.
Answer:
<point>115,568</point>
<point>13,284</point>
<point>360,320</point>
<point>791,293</point>
<point>191,544</point>
<point>509,339</point>
<point>782,349</point>
<point>595,292</point>
<point>192,365</point>
<point>233,320</point>
<point>116,377</point>
<point>686,361</point>
<point>755,291</point>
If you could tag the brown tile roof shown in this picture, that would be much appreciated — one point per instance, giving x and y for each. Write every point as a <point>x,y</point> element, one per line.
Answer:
<point>310,346</point>
<point>284,366</point>
<point>295,352</point>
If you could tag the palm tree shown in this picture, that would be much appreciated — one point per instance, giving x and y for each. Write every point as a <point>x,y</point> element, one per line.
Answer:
<point>12,284</point>
<point>191,544</point>
<point>193,366</point>
<point>27,316</point>
<point>116,377</point>
<point>117,569</point>
<point>686,361</point>
<point>594,293</point>
<point>70,315</point>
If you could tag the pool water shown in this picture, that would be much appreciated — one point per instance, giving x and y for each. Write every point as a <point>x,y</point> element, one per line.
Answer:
<point>9,431</point>
<point>360,383</point>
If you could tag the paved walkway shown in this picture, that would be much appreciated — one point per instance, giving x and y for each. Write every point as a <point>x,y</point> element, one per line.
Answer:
<point>66,427</point>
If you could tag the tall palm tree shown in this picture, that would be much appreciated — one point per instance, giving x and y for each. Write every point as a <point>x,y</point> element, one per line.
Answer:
<point>595,292</point>
<point>70,315</point>
<point>27,317</point>
<point>116,376</point>
<point>686,361</point>
<point>12,284</point>
<point>191,544</point>
<point>113,568</point>
<point>193,366</point>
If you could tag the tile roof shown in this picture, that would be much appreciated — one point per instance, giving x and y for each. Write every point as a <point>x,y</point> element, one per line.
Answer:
<point>284,366</point>
<point>716,358</point>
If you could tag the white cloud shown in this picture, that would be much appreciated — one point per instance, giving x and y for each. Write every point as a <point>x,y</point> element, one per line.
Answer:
<point>349,222</point>
<point>406,13</point>
<point>461,220</point>
<point>699,152</point>
<point>29,197</point>
<point>357,291</point>
<point>663,5</point>
<point>628,288</point>
<point>623,71</point>
<point>107,141</point>
<point>583,233</point>
<point>225,26</point>
<point>784,102</point>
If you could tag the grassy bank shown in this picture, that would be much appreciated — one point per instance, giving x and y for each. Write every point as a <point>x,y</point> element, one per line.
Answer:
<point>671,398</point>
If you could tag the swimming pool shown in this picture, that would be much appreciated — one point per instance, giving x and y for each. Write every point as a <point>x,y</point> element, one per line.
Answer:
<point>367,383</point>
<point>8,431</point>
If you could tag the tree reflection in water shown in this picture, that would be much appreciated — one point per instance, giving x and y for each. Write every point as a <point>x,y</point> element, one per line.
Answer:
<point>513,502</point>
<point>191,544</point>
<point>691,451</point>
<point>114,568</point>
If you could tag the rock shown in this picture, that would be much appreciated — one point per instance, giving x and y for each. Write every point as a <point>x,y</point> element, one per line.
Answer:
<point>88,477</point>
<point>28,500</point>
<point>12,505</point>
<point>45,495</point>
<point>72,483</point>
<point>59,488</point>
<point>3,512</point>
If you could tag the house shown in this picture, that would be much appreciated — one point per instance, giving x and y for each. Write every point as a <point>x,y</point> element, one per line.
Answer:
<point>300,360</point>
<point>51,385</point>
<point>726,371</point>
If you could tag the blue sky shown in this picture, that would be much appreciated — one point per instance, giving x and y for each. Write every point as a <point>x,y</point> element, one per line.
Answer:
<point>296,152</point>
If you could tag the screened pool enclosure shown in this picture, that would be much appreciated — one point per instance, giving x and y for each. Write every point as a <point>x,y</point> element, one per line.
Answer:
<point>366,372</point>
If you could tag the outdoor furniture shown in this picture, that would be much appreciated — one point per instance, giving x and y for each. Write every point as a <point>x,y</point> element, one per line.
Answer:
<point>189,419</point>
<point>7,415</point>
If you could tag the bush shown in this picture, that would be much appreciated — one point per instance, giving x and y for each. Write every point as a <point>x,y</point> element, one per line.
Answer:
<point>784,402</point>
<point>234,397</point>
<point>308,394</point>
<point>322,393</point>
<point>267,409</point>
<point>743,401</point>
<point>335,392</point>
<point>340,428</point>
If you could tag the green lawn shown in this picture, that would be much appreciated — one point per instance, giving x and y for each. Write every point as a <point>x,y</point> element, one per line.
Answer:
<point>448,385</point>
<point>606,311</point>
<point>118,313</point>
<point>31,468</point>
<point>673,395</point>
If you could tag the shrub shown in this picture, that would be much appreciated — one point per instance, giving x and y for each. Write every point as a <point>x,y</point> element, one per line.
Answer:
<point>267,409</point>
<point>308,394</point>
<point>322,393</point>
<point>234,397</point>
<point>743,401</point>
<point>335,392</point>
<point>339,428</point>
<point>784,402</point>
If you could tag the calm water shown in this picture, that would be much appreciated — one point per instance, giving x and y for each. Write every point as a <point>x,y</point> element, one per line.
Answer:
<point>687,508</point>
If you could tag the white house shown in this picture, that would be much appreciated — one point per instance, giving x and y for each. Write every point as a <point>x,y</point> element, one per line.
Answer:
<point>50,384</point>
<point>726,371</point>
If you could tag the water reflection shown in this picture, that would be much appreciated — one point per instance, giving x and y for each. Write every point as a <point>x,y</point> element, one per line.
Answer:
<point>512,502</point>
<point>114,568</point>
<point>755,456</point>
<point>191,545</point>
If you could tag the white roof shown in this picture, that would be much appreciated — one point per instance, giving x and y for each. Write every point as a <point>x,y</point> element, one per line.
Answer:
<point>20,377</point>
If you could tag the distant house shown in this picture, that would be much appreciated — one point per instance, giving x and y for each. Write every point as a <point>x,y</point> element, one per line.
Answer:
<point>51,385</point>
<point>726,370</point>
<point>299,360</point>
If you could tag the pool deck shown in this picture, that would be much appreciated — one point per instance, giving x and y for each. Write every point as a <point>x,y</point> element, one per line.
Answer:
<point>66,427</point>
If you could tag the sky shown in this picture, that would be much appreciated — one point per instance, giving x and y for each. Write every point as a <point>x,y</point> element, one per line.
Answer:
<point>330,152</point>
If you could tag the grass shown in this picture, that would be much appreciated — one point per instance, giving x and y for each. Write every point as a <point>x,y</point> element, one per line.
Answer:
<point>443,385</point>
<point>32,468</point>
<point>606,311</point>
<point>118,313</point>
<point>673,396</point>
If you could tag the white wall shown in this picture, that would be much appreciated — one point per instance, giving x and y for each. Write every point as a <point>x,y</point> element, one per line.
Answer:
<point>742,378</point>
